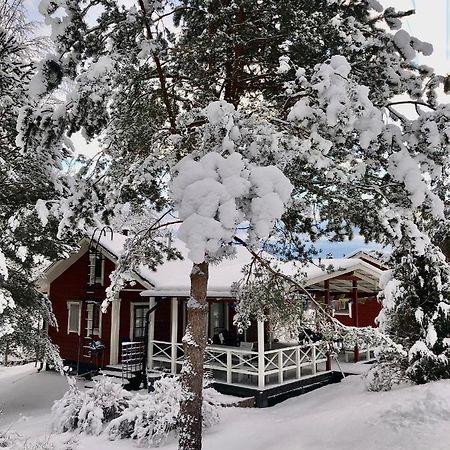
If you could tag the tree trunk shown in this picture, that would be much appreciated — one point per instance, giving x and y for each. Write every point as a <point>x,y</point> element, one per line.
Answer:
<point>194,348</point>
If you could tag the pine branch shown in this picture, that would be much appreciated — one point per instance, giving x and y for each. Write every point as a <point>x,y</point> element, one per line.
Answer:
<point>160,71</point>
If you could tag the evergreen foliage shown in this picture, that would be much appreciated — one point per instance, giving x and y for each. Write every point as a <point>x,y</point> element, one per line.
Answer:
<point>25,246</point>
<point>416,312</point>
<point>307,87</point>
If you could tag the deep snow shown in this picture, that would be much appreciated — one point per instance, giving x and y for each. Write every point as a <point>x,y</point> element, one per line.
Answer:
<point>337,417</point>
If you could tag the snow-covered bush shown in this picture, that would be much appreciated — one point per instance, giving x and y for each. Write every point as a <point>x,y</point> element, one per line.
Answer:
<point>390,369</point>
<point>151,418</point>
<point>89,411</point>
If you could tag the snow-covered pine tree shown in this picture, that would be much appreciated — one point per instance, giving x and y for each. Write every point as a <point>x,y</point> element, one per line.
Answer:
<point>24,244</point>
<point>305,86</point>
<point>416,312</point>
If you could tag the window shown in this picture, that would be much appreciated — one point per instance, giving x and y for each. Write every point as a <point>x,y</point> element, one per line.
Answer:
<point>139,321</point>
<point>94,320</point>
<point>96,263</point>
<point>74,317</point>
<point>342,306</point>
<point>218,318</point>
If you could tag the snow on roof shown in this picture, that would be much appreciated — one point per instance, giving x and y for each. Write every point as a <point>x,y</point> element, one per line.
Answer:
<point>172,278</point>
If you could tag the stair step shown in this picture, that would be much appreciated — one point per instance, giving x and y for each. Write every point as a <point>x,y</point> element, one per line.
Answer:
<point>111,373</point>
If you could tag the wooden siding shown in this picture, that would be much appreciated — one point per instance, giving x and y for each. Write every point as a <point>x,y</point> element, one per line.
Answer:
<point>72,285</point>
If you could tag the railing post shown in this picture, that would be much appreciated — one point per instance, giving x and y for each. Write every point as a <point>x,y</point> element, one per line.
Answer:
<point>173,334</point>
<point>261,362</point>
<point>328,363</point>
<point>298,369</point>
<point>229,367</point>
<point>313,359</point>
<point>280,366</point>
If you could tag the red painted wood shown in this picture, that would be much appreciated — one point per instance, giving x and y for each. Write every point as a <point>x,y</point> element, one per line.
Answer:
<point>73,285</point>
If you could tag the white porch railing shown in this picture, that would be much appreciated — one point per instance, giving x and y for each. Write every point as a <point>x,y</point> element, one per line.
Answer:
<point>237,366</point>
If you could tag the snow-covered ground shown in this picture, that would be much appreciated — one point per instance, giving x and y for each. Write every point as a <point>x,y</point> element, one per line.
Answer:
<point>340,416</point>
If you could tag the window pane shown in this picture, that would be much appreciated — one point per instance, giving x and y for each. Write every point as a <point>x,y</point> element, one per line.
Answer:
<point>96,318</point>
<point>74,314</point>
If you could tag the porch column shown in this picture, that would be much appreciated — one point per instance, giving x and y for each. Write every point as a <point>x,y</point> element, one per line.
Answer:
<point>261,377</point>
<point>114,339</point>
<point>355,303</point>
<point>328,303</point>
<point>327,292</point>
<point>174,334</point>
<point>151,334</point>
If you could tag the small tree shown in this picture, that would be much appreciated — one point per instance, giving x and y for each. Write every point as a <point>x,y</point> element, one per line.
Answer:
<point>416,310</point>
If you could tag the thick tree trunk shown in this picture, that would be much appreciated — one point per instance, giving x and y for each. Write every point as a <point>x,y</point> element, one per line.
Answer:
<point>194,349</point>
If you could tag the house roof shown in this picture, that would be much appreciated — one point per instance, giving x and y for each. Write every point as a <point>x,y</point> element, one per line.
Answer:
<point>172,278</point>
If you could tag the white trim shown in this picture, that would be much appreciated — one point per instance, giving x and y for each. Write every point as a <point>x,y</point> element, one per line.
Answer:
<point>173,334</point>
<point>90,318</point>
<point>261,354</point>
<point>80,307</point>
<point>151,333</point>
<point>363,266</point>
<point>115,327</point>
<point>59,267</point>
<point>132,309</point>
<point>101,280</point>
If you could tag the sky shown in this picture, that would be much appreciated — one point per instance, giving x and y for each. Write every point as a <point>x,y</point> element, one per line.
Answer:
<point>431,23</point>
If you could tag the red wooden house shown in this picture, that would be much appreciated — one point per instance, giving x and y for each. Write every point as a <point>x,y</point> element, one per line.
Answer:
<point>240,364</point>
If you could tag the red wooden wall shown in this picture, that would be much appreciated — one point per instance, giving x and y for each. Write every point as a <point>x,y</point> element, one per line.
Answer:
<point>72,285</point>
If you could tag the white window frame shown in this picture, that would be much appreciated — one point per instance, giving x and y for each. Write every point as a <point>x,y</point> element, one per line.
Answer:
<point>344,312</point>
<point>69,304</point>
<point>92,278</point>
<point>133,306</point>
<point>90,318</point>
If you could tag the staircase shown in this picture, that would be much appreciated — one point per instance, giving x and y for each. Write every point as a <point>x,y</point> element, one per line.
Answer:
<point>130,373</point>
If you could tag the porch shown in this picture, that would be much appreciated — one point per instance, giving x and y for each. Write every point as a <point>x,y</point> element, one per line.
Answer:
<point>236,366</point>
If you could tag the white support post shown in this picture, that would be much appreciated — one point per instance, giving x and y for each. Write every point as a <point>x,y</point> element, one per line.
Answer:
<point>261,362</point>
<point>114,338</point>
<point>313,359</point>
<point>229,367</point>
<point>280,366</point>
<point>298,369</point>
<point>151,334</point>
<point>174,335</point>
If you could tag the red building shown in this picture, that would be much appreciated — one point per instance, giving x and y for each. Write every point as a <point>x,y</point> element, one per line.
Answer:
<point>88,337</point>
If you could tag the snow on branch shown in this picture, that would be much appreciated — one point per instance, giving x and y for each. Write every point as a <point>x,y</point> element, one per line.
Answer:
<point>215,194</point>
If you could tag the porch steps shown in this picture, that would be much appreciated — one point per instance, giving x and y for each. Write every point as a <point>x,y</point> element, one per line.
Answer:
<point>115,372</point>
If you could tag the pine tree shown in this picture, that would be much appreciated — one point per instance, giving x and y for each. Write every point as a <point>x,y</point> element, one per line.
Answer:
<point>25,245</point>
<point>304,86</point>
<point>416,312</point>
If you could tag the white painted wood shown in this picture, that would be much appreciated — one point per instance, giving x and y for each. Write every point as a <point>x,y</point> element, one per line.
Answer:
<point>114,338</point>
<point>261,374</point>
<point>313,359</point>
<point>151,334</point>
<point>229,367</point>
<point>298,369</point>
<point>69,309</point>
<point>173,334</point>
<point>280,366</point>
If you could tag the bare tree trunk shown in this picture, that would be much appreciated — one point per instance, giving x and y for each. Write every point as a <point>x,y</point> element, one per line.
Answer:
<point>194,350</point>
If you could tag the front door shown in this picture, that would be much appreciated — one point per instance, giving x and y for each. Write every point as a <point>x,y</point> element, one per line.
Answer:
<point>139,322</point>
